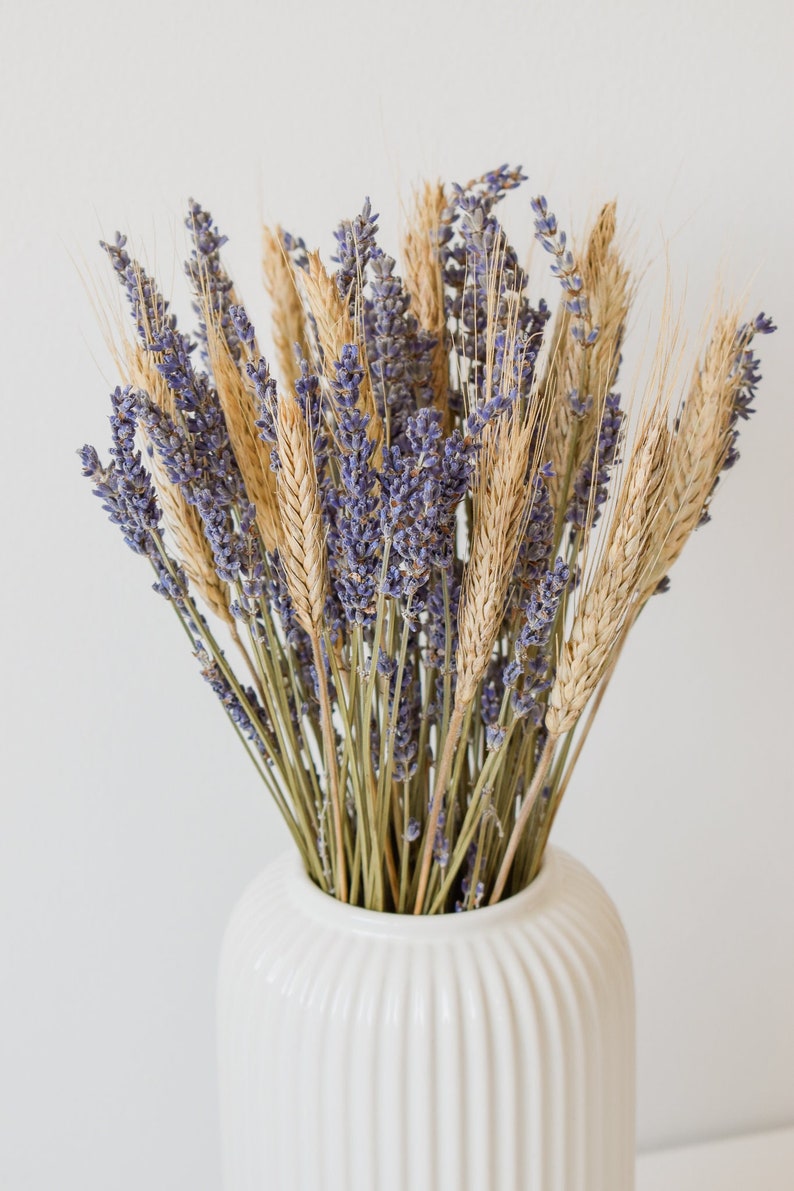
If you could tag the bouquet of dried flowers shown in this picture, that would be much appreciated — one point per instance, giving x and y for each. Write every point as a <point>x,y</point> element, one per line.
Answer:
<point>425,535</point>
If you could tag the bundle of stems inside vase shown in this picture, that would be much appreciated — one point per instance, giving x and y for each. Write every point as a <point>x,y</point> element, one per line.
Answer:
<point>406,549</point>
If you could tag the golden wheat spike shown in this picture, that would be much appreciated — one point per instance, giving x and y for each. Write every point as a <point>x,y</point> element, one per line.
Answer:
<point>700,443</point>
<point>424,281</point>
<point>288,319</point>
<point>302,534</point>
<point>503,499</point>
<point>590,370</point>
<point>610,590</point>
<point>335,329</point>
<point>182,519</point>
<point>240,412</point>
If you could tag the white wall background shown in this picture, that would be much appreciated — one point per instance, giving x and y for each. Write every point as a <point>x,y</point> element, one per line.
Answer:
<point>129,821</point>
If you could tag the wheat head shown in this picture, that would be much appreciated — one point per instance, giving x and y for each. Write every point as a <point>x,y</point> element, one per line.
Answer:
<point>302,534</point>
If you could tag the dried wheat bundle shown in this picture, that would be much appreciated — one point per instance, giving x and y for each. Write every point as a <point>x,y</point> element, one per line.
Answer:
<point>426,535</point>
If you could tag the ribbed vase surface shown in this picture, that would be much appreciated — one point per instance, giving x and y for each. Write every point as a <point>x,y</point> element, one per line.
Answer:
<point>485,1051</point>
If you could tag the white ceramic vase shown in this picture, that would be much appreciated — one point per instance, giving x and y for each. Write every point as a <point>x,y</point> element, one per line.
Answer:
<point>486,1051</point>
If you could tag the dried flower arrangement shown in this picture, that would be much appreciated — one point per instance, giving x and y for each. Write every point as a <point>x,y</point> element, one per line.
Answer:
<point>409,538</point>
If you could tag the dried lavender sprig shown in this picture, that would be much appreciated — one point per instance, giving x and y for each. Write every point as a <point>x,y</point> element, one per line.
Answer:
<point>211,283</point>
<point>746,390</point>
<point>194,397</point>
<point>592,479</point>
<point>528,675</point>
<point>125,486</point>
<point>555,241</point>
<point>218,682</point>
<point>399,352</point>
<point>537,543</point>
<point>355,239</point>
<point>357,544</point>
<point>258,372</point>
<point>150,311</point>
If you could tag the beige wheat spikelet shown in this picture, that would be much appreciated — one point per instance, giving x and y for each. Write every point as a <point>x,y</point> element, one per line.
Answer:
<point>302,535</point>
<point>288,318</point>
<point>590,370</point>
<point>500,510</point>
<point>700,443</point>
<point>182,519</point>
<point>424,281</point>
<point>335,329</point>
<point>610,590</point>
<point>239,410</point>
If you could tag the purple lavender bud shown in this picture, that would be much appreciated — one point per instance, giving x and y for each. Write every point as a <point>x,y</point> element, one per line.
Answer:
<point>356,545</point>
<point>538,541</point>
<point>530,674</point>
<point>211,283</point>
<point>195,399</point>
<point>489,702</point>
<point>592,479</point>
<point>355,244</point>
<point>215,678</point>
<point>746,368</point>
<point>243,326</point>
<point>494,737</point>
<point>399,352</point>
<point>413,831</point>
<point>220,533</point>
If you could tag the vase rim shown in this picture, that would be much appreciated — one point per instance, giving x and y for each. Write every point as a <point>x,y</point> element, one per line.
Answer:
<point>320,905</point>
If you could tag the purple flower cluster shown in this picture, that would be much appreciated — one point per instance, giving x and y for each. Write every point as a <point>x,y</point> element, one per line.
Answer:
<point>564,268</point>
<point>358,538</point>
<point>204,448</point>
<point>355,241</point>
<point>537,542</point>
<point>399,352</point>
<point>471,895</point>
<point>483,265</point>
<point>211,282</point>
<point>422,488</point>
<point>125,486</point>
<point>128,497</point>
<point>747,368</point>
<point>213,675</point>
<point>405,745</point>
<point>528,674</point>
<point>590,482</point>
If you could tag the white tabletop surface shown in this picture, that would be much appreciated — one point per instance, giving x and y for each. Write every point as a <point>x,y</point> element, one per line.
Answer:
<point>758,1162</point>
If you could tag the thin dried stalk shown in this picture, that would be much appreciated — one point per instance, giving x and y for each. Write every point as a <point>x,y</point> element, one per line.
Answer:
<point>610,591</point>
<point>424,281</point>
<point>288,319</point>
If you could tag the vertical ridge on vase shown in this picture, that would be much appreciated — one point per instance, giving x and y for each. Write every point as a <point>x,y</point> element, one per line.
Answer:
<point>371,1052</point>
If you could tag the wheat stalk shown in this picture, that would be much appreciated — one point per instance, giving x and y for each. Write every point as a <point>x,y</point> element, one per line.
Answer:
<point>610,589</point>
<point>335,329</point>
<point>699,446</point>
<point>590,370</point>
<point>503,502</point>
<point>182,519</point>
<point>288,319</point>
<point>305,563</point>
<point>424,281</point>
